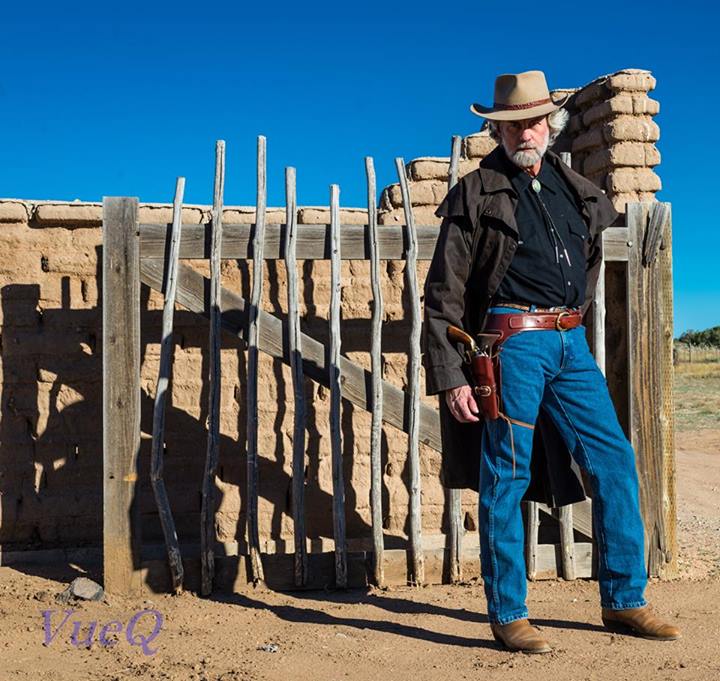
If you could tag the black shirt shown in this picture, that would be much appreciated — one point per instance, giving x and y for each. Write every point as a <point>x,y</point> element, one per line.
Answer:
<point>548,268</point>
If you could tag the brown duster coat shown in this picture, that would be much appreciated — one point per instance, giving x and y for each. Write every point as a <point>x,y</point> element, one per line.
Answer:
<point>478,238</point>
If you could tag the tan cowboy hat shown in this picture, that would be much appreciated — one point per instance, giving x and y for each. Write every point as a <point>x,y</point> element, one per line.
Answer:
<point>519,96</point>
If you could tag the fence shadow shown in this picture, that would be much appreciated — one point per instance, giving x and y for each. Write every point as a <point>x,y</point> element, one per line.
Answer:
<point>51,432</point>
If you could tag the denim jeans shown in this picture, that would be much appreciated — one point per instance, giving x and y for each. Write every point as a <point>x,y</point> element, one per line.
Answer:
<point>555,371</point>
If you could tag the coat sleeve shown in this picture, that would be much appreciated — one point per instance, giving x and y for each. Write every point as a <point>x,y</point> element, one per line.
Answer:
<point>602,215</point>
<point>444,295</point>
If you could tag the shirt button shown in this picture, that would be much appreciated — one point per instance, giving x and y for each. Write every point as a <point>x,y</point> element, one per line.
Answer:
<point>561,255</point>
<point>569,284</point>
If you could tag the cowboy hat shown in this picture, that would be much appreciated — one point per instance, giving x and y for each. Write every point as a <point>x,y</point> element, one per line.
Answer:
<point>519,96</point>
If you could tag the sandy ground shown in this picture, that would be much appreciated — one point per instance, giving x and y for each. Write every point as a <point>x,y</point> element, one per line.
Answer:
<point>401,633</point>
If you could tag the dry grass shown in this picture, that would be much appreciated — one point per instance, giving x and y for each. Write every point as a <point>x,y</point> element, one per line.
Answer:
<point>697,395</point>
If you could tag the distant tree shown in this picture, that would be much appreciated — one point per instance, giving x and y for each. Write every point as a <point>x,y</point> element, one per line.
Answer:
<point>709,336</point>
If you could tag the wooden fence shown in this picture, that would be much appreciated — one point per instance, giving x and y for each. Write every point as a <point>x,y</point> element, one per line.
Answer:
<point>151,254</point>
<point>688,353</point>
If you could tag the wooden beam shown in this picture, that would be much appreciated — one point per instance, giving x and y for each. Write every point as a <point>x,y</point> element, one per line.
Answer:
<point>338,479</point>
<point>531,539</point>
<point>158,435</point>
<point>121,395</point>
<point>567,541</point>
<point>298,381</point>
<point>582,516</point>
<point>251,468</point>
<point>418,564</point>
<point>455,495</point>
<point>377,370</point>
<point>650,388</point>
<point>207,510</point>
<point>192,294</point>
<point>313,242</point>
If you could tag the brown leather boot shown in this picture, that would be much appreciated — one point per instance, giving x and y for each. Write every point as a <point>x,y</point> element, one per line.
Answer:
<point>640,621</point>
<point>520,636</point>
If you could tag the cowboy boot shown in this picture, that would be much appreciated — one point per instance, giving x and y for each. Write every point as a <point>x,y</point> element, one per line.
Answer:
<point>640,621</point>
<point>520,636</point>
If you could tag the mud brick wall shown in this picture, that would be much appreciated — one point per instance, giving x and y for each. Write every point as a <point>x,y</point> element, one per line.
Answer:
<point>50,431</point>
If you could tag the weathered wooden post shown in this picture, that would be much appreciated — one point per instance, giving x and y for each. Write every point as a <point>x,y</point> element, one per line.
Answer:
<point>121,394</point>
<point>650,384</point>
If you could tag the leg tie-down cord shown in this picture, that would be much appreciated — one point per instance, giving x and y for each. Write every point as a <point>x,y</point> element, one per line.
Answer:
<point>510,421</point>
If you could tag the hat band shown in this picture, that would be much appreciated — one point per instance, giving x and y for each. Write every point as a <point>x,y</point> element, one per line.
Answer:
<point>515,107</point>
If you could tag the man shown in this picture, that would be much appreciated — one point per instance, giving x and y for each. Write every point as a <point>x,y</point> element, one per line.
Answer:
<point>518,254</point>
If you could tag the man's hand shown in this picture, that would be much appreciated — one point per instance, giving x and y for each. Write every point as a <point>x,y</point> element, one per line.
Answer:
<point>462,404</point>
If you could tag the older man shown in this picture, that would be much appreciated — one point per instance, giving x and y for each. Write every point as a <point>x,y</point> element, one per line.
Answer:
<point>518,255</point>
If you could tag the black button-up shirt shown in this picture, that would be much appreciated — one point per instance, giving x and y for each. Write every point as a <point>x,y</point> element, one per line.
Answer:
<point>548,268</point>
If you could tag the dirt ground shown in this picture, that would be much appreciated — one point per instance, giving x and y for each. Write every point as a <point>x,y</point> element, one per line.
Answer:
<point>401,633</point>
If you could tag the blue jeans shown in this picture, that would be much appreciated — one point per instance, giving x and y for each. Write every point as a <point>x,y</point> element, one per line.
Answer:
<point>555,371</point>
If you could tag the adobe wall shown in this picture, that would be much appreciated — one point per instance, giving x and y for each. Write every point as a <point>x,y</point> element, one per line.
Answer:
<point>51,454</point>
<point>50,426</point>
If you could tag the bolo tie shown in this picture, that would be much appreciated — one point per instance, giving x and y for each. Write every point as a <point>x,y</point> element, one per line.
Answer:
<point>554,234</point>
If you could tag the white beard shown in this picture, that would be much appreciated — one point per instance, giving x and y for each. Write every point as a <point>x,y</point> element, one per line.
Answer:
<point>528,156</point>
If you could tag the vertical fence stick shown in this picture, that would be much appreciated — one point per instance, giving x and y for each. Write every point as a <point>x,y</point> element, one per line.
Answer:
<point>567,541</point>
<point>376,369</point>
<point>455,495</point>
<point>334,365</point>
<point>121,395</point>
<point>207,513</point>
<point>565,513</point>
<point>158,436</point>
<point>296,367</point>
<point>253,531</point>
<point>531,538</point>
<point>416,548</point>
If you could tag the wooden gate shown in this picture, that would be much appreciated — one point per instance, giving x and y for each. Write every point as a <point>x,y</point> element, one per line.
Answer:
<point>151,254</point>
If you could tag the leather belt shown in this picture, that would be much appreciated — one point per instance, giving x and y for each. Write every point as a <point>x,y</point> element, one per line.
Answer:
<point>507,324</point>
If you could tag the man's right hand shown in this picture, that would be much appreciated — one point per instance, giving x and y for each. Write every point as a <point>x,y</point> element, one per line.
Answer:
<point>462,404</point>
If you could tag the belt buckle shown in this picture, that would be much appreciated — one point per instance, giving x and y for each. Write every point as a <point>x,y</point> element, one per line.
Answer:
<point>558,324</point>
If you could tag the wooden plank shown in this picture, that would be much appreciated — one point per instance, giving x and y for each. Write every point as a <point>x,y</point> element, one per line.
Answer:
<point>158,435</point>
<point>648,349</point>
<point>207,510</point>
<point>549,561</point>
<point>192,295</point>
<point>615,244</point>
<point>121,395</point>
<point>531,539</point>
<point>336,392</point>
<point>314,242</point>
<point>418,569</point>
<point>252,475</point>
<point>376,369</point>
<point>298,381</point>
<point>666,408</point>
<point>582,516</point>
<point>455,495</point>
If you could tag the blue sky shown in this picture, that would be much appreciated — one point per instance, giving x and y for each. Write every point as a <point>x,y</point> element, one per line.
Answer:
<point>120,98</point>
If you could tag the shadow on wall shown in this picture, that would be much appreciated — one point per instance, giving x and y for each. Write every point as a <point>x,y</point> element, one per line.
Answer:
<point>51,429</point>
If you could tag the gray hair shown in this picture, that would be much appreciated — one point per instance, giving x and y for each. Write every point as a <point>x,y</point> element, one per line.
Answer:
<point>557,120</point>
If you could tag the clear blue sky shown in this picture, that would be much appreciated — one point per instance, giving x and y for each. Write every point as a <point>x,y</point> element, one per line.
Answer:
<point>120,98</point>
